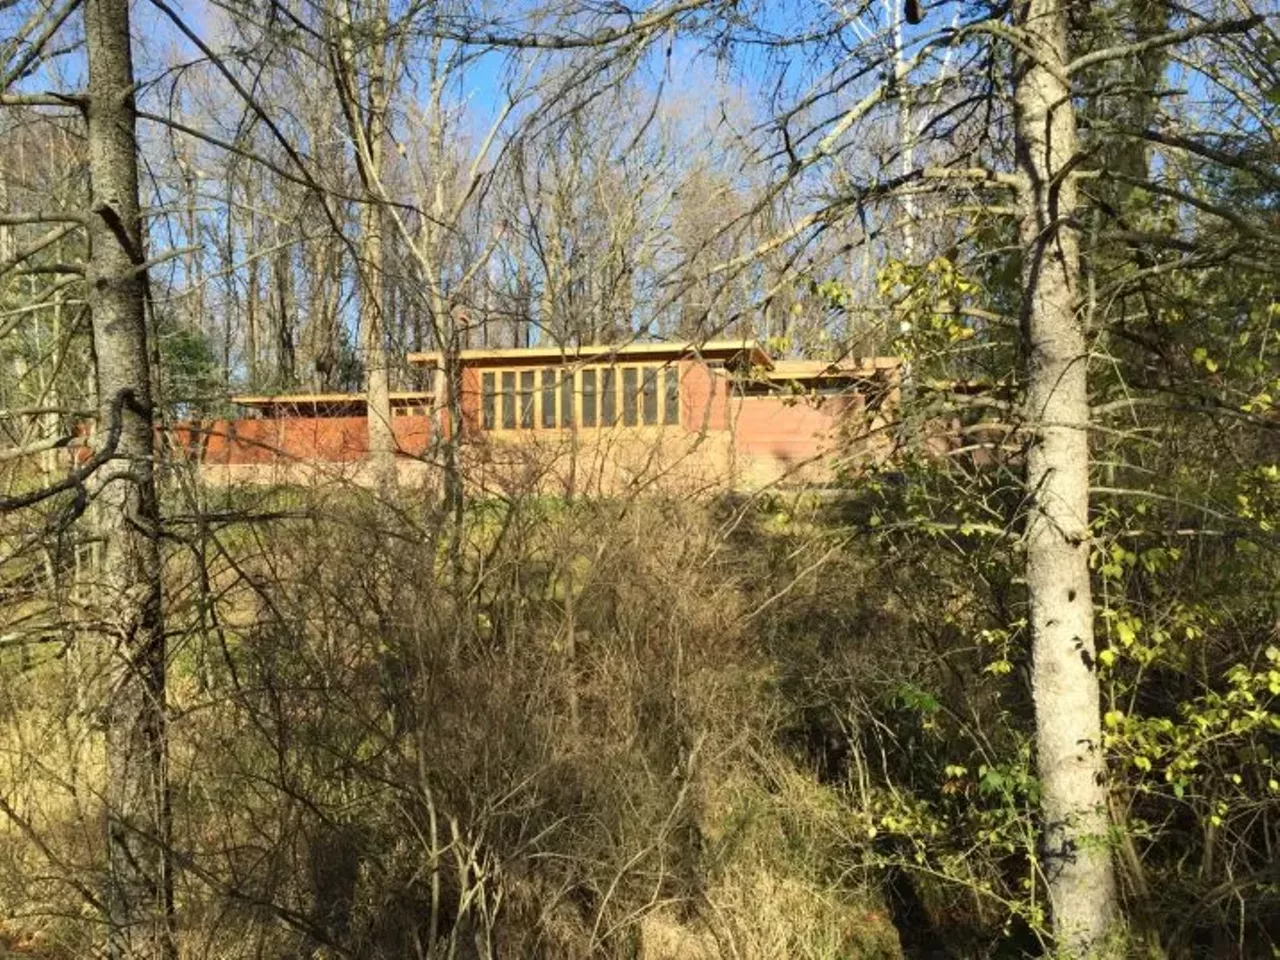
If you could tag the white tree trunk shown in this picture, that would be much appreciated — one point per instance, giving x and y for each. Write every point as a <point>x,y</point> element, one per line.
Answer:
<point>382,441</point>
<point>370,151</point>
<point>1075,858</point>
<point>139,891</point>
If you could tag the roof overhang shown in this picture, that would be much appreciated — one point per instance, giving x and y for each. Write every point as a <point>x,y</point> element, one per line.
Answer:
<point>298,402</point>
<point>852,368</point>
<point>749,351</point>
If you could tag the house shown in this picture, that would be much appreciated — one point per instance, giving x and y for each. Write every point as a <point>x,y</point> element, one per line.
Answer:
<point>591,419</point>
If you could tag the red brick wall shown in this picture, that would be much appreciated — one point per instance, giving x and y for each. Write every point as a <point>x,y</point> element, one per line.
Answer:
<point>470,401</point>
<point>753,439</point>
<point>413,435</point>
<point>704,398</point>
<point>265,441</point>
<point>787,428</point>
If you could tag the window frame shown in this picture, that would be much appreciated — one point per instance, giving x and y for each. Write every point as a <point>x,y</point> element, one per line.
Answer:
<point>670,393</point>
<point>591,397</point>
<point>608,387</point>
<point>568,398</point>
<point>509,404</point>
<point>649,414</point>
<point>528,392</point>
<point>547,412</point>
<point>631,396</point>
<point>488,400</point>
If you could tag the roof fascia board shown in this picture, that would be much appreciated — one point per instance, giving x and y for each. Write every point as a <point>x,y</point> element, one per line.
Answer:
<point>591,353</point>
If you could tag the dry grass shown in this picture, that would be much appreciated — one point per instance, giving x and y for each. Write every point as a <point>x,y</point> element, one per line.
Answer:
<point>557,755</point>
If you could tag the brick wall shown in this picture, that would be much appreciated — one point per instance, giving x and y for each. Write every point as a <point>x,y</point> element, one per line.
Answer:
<point>722,440</point>
<point>294,439</point>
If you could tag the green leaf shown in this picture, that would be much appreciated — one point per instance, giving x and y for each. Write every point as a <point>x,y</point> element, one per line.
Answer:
<point>1126,633</point>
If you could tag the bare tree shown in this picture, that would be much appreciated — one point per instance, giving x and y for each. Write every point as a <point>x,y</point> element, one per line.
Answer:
<point>366,115</point>
<point>140,881</point>
<point>1002,193</point>
<point>1077,860</point>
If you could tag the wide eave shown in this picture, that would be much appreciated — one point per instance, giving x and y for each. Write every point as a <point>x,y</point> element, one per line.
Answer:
<point>747,352</point>
<point>299,404</point>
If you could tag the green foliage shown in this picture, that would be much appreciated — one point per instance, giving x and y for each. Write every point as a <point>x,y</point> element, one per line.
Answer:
<point>928,300</point>
<point>191,371</point>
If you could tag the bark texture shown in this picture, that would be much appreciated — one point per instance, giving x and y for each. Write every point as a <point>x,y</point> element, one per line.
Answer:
<point>1076,860</point>
<point>370,153</point>
<point>139,893</point>
<point>382,441</point>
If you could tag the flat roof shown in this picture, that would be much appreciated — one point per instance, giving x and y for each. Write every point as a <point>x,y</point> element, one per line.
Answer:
<point>596,353</point>
<point>320,399</point>
<point>851,367</point>
<point>711,349</point>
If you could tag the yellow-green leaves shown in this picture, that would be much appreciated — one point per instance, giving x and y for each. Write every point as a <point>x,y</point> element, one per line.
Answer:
<point>1201,357</point>
<point>1127,631</point>
<point>929,301</point>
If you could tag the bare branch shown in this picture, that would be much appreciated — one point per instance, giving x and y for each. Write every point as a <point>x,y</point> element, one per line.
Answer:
<point>1163,40</point>
<point>30,449</point>
<point>18,219</point>
<point>43,100</point>
<point>40,243</point>
<point>608,36</point>
<point>82,473</point>
<point>19,69</point>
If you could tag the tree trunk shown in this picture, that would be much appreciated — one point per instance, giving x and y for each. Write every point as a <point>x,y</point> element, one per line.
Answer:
<point>253,341</point>
<point>194,259</point>
<point>321,362</point>
<point>1076,860</point>
<point>286,305</point>
<point>382,442</point>
<point>906,132</point>
<point>450,333</point>
<point>139,893</point>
